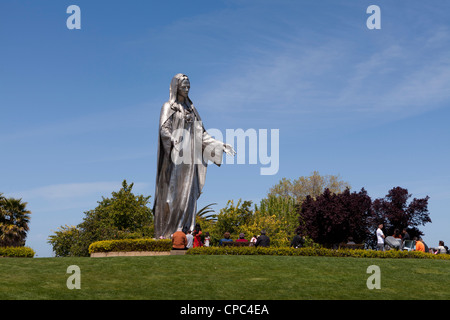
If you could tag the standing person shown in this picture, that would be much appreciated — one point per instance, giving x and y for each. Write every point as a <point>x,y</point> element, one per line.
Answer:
<point>198,239</point>
<point>190,239</point>
<point>405,235</point>
<point>179,240</point>
<point>207,239</point>
<point>263,240</point>
<point>380,238</point>
<point>197,236</point>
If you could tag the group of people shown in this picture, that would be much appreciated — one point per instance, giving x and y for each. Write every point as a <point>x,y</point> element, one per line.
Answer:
<point>420,245</point>
<point>186,239</point>
<point>262,240</point>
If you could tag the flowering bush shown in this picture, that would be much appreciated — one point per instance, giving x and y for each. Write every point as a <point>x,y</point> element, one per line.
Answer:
<point>285,251</point>
<point>131,245</point>
<point>23,252</point>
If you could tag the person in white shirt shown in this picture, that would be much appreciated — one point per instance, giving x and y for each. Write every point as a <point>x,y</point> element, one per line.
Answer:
<point>380,238</point>
<point>441,248</point>
<point>190,239</point>
<point>207,239</point>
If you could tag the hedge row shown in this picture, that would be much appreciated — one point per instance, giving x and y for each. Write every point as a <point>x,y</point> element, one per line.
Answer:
<point>284,251</point>
<point>130,245</point>
<point>18,252</point>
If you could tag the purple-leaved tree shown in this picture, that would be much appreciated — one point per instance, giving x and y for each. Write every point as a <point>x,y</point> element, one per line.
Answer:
<point>395,212</point>
<point>332,218</point>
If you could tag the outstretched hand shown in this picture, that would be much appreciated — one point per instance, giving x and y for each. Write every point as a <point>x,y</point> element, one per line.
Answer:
<point>228,149</point>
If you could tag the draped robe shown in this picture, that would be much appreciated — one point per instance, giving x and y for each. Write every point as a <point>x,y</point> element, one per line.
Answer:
<point>181,172</point>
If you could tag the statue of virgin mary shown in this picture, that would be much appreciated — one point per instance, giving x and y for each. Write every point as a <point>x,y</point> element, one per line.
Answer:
<point>184,148</point>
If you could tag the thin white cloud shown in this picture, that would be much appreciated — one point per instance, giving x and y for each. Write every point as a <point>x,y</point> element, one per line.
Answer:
<point>422,90</point>
<point>334,79</point>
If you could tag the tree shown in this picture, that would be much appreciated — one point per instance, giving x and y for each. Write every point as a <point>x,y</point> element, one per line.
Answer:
<point>207,218</point>
<point>273,226</point>
<point>204,213</point>
<point>232,219</point>
<point>313,186</point>
<point>283,210</point>
<point>331,218</point>
<point>124,215</point>
<point>66,241</point>
<point>14,220</point>
<point>395,212</point>
<point>274,214</point>
<point>122,212</point>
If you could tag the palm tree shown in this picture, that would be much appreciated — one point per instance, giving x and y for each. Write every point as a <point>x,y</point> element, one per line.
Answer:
<point>14,220</point>
<point>203,213</point>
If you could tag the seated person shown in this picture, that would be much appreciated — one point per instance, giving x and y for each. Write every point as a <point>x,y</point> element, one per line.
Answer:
<point>226,238</point>
<point>263,240</point>
<point>440,249</point>
<point>419,245</point>
<point>297,241</point>
<point>241,238</point>
<point>179,240</point>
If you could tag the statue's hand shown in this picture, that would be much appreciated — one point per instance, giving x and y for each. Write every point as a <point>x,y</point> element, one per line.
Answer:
<point>176,143</point>
<point>228,149</point>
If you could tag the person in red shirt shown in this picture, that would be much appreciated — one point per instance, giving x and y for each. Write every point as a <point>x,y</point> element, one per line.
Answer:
<point>241,238</point>
<point>198,236</point>
<point>198,239</point>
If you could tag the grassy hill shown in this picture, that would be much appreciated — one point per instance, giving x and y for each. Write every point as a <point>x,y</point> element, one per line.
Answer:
<point>223,277</point>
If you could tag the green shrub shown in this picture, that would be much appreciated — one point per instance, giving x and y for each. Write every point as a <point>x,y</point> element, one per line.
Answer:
<point>122,216</point>
<point>307,251</point>
<point>22,252</point>
<point>131,245</point>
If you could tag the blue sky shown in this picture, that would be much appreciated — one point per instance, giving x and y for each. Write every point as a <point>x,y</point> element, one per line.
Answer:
<point>80,108</point>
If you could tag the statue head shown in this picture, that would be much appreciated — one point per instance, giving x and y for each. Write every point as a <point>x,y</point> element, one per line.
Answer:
<point>183,88</point>
<point>179,86</point>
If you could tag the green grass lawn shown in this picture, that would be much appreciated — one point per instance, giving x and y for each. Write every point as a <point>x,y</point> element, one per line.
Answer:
<point>223,277</point>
